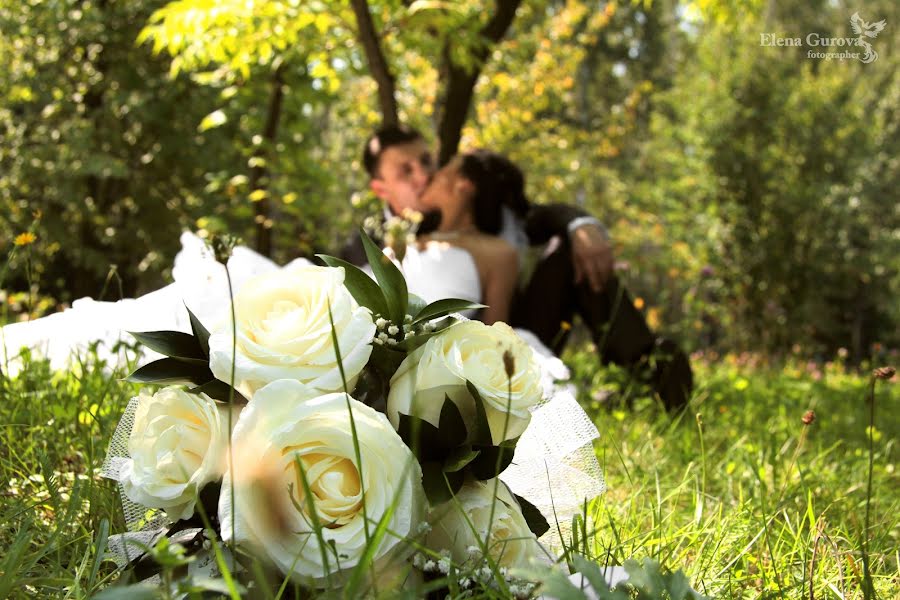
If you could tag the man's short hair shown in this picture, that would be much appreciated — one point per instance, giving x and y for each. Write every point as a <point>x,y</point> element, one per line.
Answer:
<point>381,140</point>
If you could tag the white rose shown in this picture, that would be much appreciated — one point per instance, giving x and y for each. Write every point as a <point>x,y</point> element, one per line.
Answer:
<point>461,526</point>
<point>470,351</point>
<point>283,331</point>
<point>177,445</point>
<point>289,422</point>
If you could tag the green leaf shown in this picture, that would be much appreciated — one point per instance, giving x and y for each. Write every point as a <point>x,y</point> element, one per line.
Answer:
<point>439,485</point>
<point>140,591</point>
<point>386,360</point>
<point>213,119</point>
<point>200,332</point>
<point>492,460</point>
<point>362,287</point>
<point>533,517</point>
<point>172,343</point>
<point>389,278</point>
<point>482,433</point>
<point>99,552</point>
<point>413,342</point>
<point>218,390</point>
<point>555,583</point>
<point>460,458</point>
<point>451,426</point>
<point>416,433</point>
<point>171,370</point>
<point>442,308</point>
<point>415,304</point>
<point>593,573</point>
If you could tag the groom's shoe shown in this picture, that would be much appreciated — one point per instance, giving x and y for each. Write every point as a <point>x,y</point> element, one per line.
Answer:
<point>673,379</point>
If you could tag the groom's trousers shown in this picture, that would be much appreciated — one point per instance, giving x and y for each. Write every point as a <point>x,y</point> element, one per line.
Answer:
<point>619,330</point>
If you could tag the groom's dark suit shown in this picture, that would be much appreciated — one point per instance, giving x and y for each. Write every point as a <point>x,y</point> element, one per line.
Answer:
<point>551,297</point>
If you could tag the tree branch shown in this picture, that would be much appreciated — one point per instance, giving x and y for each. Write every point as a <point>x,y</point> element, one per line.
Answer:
<point>378,66</point>
<point>460,88</point>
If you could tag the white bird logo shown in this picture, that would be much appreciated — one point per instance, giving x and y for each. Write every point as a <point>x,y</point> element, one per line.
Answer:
<point>863,30</point>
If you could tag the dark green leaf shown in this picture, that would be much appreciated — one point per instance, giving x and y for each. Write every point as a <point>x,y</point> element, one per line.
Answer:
<point>362,287</point>
<point>459,459</point>
<point>536,521</point>
<point>389,278</point>
<point>218,390</point>
<point>386,360</point>
<point>492,460</point>
<point>371,389</point>
<point>451,426</point>
<point>440,486</point>
<point>482,433</point>
<point>172,343</point>
<point>171,370</point>
<point>444,307</point>
<point>200,332</point>
<point>419,435</point>
<point>413,342</point>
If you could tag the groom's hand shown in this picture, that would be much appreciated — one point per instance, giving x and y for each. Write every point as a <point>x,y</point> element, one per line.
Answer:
<point>592,256</point>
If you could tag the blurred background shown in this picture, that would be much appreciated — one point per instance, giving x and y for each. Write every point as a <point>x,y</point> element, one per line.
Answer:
<point>751,190</point>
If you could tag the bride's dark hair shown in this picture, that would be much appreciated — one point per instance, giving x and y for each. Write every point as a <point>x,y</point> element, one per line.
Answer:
<point>497,182</point>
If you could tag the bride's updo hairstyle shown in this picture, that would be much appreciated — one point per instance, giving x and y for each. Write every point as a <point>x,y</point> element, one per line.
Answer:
<point>497,182</point>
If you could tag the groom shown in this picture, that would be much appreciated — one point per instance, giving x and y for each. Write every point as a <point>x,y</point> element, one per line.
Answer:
<point>573,275</point>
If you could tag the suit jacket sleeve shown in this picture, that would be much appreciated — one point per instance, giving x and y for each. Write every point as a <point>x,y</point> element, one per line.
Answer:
<point>545,221</point>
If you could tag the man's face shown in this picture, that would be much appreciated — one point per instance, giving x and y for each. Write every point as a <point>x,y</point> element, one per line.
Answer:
<point>403,174</point>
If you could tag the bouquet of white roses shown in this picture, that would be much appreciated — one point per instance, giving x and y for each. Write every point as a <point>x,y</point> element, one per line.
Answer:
<point>329,425</point>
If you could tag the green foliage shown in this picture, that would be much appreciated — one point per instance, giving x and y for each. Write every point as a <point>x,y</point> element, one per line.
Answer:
<point>747,188</point>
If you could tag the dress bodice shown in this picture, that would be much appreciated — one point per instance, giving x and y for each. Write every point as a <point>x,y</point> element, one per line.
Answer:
<point>438,270</point>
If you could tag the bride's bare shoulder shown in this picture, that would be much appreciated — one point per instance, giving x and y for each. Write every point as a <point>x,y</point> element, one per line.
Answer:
<point>501,253</point>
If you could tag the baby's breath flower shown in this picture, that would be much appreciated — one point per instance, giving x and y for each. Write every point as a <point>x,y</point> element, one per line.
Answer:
<point>380,323</point>
<point>444,565</point>
<point>393,330</point>
<point>424,527</point>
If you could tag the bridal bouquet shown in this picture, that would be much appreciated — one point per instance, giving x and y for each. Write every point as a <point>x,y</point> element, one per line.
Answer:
<point>332,427</point>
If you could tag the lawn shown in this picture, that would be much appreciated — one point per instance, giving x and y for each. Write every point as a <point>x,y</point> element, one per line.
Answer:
<point>739,491</point>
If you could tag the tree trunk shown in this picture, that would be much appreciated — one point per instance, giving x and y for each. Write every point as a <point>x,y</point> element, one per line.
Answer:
<point>460,86</point>
<point>378,66</point>
<point>260,169</point>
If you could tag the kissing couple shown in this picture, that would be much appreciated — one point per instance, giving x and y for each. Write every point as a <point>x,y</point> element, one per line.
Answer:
<point>534,266</point>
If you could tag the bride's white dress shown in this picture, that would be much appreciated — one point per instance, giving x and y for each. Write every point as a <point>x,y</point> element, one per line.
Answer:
<point>554,467</point>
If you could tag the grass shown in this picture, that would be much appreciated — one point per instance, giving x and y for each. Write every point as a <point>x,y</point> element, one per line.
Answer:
<point>737,491</point>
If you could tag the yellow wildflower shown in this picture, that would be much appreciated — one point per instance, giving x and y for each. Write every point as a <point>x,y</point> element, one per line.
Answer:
<point>23,239</point>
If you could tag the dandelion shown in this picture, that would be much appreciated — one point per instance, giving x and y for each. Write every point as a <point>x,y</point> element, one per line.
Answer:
<point>23,239</point>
